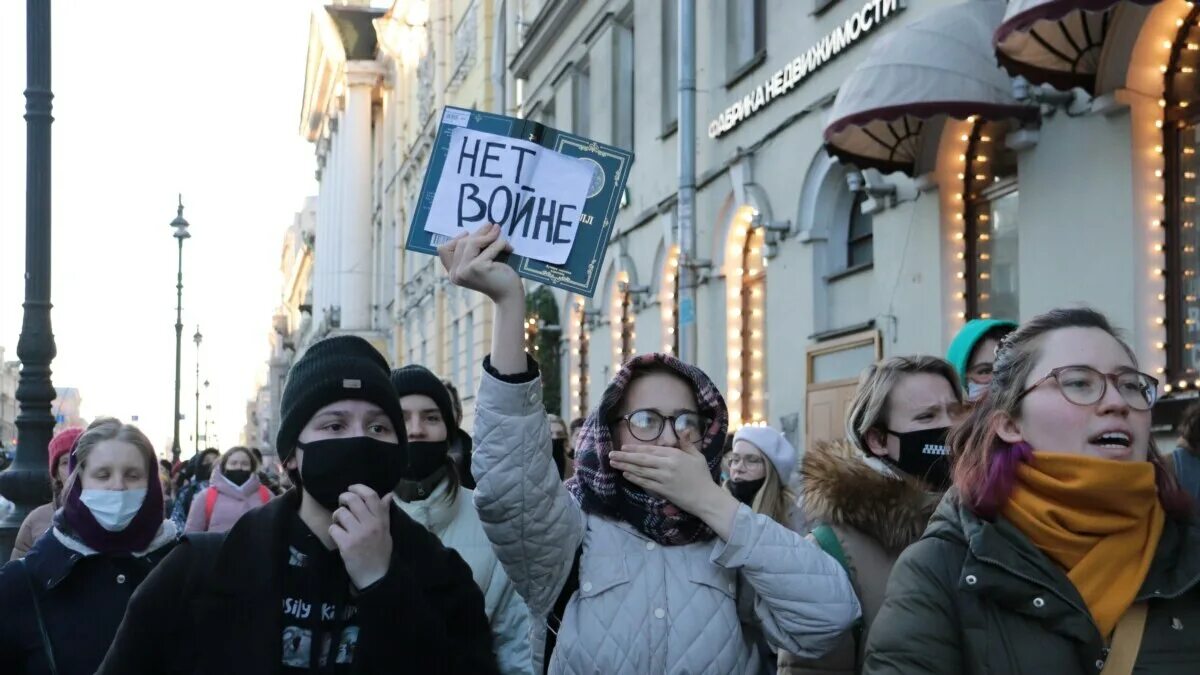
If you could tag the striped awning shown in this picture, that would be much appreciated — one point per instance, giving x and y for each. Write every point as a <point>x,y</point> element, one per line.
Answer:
<point>938,65</point>
<point>1057,42</point>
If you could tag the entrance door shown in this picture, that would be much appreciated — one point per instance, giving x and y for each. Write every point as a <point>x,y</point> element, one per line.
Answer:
<point>833,371</point>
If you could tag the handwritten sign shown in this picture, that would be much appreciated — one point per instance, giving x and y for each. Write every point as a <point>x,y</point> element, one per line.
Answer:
<point>536,195</point>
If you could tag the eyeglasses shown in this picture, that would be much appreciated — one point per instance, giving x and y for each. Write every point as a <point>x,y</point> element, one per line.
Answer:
<point>1083,385</point>
<point>647,425</point>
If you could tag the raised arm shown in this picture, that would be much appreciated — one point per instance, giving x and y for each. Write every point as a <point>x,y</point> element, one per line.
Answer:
<point>533,524</point>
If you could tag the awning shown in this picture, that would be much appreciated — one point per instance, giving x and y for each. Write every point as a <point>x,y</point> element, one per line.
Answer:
<point>1056,42</point>
<point>940,64</point>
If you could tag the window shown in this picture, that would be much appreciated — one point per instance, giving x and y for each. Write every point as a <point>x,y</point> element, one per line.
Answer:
<point>745,281</point>
<point>860,238</point>
<point>456,352</point>
<point>622,317</point>
<point>990,183</point>
<point>1181,136</point>
<point>745,45</point>
<point>471,366</point>
<point>623,79</point>
<point>581,100</point>
<point>670,65</point>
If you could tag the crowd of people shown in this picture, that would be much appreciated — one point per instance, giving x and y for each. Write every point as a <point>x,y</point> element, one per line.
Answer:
<point>1001,510</point>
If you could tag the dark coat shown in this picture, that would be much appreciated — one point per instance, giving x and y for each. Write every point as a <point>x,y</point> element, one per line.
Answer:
<point>82,599</point>
<point>974,597</point>
<point>215,606</point>
<point>874,516</point>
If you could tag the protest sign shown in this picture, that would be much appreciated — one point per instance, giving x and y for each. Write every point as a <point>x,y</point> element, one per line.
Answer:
<point>536,195</point>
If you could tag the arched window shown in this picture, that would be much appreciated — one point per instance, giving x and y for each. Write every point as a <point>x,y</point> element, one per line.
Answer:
<point>1181,132</point>
<point>579,341</point>
<point>990,218</point>
<point>860,236</point>
<point>668,297</point>
<point>542,333</point>
<point>621,318</point>
<point>745,281</point>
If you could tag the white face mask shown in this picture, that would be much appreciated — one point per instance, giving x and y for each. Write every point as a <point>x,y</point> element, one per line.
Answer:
<point>974,391</point>
<point>113,509</point>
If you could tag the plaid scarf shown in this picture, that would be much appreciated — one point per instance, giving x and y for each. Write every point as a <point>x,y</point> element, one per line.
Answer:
<point>600,489</point>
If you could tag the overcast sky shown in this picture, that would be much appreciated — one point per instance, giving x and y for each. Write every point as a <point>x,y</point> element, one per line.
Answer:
<point>151,99</point>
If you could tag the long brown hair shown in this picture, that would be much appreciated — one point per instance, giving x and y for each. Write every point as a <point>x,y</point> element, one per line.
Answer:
<point>985,465</point>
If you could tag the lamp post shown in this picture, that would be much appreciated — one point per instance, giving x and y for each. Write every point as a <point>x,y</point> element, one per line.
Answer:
<point>197,338</point>
<point>181,233</point>
<point>26,482</point>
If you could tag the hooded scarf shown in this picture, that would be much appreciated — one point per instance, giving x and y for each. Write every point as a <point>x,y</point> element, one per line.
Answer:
<point>602,490</point>
<point>75,519</point>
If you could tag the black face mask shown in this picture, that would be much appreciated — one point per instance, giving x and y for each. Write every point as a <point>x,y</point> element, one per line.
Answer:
<point>744,490</point>
<point>237,476</point>
<point>204,472</point>
<point>424,468</point>
<point>924,455</point>
<point>331,466</point>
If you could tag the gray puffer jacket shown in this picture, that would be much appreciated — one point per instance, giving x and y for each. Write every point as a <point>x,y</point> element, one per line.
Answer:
<point>642,608</point>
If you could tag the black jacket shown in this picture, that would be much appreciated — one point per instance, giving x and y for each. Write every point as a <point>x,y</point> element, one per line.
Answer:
<point>974,597</point>
<point>214,606</point>
<point>82,599</point>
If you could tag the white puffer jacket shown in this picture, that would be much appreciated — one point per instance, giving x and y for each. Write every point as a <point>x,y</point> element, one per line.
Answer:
<point>642,608</point>
<point>457,525</point>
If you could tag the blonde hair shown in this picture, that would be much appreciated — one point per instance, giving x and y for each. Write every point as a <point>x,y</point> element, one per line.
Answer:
<point>868,409</point>
<point>110,429</point>
<point>773,499</point>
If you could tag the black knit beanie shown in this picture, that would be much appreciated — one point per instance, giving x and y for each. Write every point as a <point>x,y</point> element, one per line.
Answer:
<point>416,379</point>
<point>339,368</point>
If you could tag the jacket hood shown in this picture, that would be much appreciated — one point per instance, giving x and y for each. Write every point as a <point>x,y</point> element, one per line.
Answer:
<point>959,354</point>
<point>841,488</point>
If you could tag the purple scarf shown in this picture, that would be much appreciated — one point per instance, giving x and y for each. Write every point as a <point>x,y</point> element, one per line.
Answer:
<point>76,520</point>
<point>602,490</point>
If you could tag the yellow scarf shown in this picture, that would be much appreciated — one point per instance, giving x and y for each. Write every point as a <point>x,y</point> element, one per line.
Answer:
<point>1100,519</point>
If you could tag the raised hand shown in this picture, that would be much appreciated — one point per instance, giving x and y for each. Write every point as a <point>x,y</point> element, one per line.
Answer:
<point>361,530</point>
<point>470,259</point>
<point>471,262</point>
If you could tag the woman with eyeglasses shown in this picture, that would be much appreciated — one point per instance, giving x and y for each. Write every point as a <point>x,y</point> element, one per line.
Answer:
<point>1065,545</point>
<point>872,497</point>
<point>636,564</point>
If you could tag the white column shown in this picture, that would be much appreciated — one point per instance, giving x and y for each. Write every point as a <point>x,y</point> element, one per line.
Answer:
<point>321,252</point>
<point>361,78</point>
<point>335,211</point>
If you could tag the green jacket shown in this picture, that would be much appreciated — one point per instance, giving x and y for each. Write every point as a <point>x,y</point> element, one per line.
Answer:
<point>974,597</point>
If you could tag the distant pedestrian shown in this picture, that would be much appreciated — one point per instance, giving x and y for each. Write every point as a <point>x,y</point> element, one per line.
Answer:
<point>461,444</point>
<point>973,352</point>
<point>558,445</point>
<point>430,494</point>
<point>199,473</point>
<point>1185,460</point>
<point>233,490</point>
<point>39,520</point>
<point>61,604</point>
<point>328,578</point>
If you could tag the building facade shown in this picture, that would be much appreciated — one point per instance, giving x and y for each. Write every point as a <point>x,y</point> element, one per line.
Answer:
<point>815,267</point>
<point>850,204</point>
<point>10,373</point>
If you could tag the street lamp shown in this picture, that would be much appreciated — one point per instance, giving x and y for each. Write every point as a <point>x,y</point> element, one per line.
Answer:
<point>26,482</point>
<point>181,233</point>
<point>197,338</point>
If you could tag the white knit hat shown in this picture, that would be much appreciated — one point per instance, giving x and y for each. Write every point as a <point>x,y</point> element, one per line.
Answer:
<point>773,445</point>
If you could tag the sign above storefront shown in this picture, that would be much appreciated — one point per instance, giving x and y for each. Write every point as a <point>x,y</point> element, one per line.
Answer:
<point>872,15</point>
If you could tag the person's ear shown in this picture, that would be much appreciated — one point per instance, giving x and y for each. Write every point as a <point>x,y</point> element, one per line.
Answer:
<point>876,442</point>
<point>1008,429</point>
